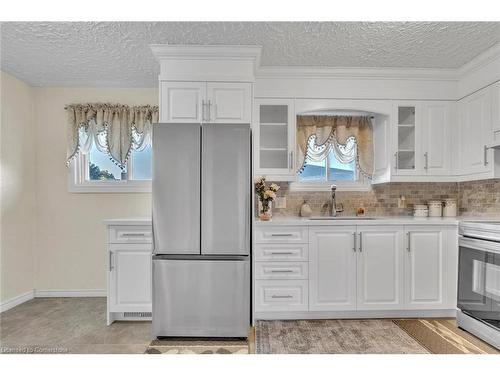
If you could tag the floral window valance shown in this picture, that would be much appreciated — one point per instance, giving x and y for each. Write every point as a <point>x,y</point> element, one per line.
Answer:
<point>115,129</point>
<point>349,137</point>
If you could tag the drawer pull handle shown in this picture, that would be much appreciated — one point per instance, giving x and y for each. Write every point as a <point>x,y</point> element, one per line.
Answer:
<point>281,296</point>
<point>281,235</point>
<point>133,234</point>
<point>281,253</point>
<point>281,271</point>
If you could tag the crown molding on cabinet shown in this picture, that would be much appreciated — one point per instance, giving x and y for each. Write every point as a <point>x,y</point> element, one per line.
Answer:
<point>204,52</point>
<point>207,62</point>
<point>480,61</point>
<point>300,72</point>
<point>480,72</point>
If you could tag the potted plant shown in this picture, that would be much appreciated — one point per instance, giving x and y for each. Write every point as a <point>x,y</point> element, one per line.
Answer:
<point>266,196</point>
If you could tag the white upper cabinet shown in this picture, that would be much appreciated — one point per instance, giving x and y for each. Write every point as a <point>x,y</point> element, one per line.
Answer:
<point>229,102</point>
<point>422,139</point>
<point>380,268</point>
<point>274,139</point>
<point>182,101</point>
<point>436,137</point>
<point>495,111</point>
<point>476,133</point>
<point>214,102</point>
<point>332,268</point>
<point>407,138</point>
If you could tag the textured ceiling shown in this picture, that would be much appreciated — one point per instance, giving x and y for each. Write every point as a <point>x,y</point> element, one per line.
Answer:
<point>117,53</point>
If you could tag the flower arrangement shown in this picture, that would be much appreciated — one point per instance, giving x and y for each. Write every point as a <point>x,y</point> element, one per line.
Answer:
<point>266,196</point>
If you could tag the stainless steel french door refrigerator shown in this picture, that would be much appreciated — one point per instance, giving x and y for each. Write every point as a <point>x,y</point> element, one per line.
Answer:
<point>201,226</point>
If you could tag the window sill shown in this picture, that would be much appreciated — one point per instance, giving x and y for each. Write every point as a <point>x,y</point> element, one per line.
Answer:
<point>323,186</point>
<point>111,187</point>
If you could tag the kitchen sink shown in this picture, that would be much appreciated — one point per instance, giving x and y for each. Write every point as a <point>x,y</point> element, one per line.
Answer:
<point>341,218</point>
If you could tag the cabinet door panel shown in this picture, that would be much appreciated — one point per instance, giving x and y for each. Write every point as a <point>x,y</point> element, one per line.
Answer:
<point>130,281</point>
<point>229,102</point>
<point>380,268</point>
<point>182,101</point>
<point>407,138</point>
<point>332,269</point>
<point>476,132</point>
<point>274,139</point>
<point>436,129</point>
<point>424,269</point>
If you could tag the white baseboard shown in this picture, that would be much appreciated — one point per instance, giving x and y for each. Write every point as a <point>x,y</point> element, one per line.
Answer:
<point>40,293</point>
<point>14,301</point>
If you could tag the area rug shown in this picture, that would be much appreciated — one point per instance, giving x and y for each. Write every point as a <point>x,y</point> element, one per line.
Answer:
<point>372,336</point>
<point>197,346</point>
<point>442,336</point>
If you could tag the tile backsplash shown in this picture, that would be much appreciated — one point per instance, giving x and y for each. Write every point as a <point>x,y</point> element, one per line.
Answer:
<point>479,197</point>
<point>474,198</point>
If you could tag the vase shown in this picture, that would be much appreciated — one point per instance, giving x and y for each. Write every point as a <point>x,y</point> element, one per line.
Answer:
<point>265,214</point>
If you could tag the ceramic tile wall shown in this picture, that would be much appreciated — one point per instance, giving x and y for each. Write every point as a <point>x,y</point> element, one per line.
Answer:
<point>479,197</point>
<point>475,198</point>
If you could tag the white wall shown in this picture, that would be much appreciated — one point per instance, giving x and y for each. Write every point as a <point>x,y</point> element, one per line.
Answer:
<point>18,187</point>
<point>70,236</point>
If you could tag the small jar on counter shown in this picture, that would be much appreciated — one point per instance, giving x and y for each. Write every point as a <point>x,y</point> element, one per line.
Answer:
<point>435,208</point>
<point>420,210</point>
<point>450,207</point>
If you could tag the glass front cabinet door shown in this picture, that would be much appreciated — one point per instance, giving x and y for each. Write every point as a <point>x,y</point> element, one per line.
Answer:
<point>406,139</point>
<point>274,139</point>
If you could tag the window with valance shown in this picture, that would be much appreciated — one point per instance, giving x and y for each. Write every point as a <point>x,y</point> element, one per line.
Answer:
<point>109,146</point>
<point>334,149</point>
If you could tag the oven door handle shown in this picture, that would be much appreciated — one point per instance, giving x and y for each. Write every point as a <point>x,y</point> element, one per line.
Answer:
<point>477,244</point>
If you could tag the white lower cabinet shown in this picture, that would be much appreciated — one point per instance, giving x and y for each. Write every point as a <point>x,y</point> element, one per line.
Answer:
<point>365,270</point>
<point>280,295</point>
<point>380,268</point>
<point>427,268</point>
<point>281,269</point>
<point>332,268</point>
<point>129,278</point>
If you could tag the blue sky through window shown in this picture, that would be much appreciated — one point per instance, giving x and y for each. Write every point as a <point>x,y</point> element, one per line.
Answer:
<point>338,171</point>
<point>141,164</point>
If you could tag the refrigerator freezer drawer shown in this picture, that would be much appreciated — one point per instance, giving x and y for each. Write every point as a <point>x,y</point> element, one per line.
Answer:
<point>204,298</point>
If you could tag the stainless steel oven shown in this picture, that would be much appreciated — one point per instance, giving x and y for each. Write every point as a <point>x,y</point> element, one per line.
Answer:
<point>479,280</point>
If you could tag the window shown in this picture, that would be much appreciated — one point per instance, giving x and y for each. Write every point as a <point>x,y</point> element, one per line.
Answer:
<point>94,171</point>
<point>328,164</point>
<point>329,169</point>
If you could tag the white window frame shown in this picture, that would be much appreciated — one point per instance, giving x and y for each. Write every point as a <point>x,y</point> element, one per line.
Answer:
<point>362,184</point>
<point>78,182</point>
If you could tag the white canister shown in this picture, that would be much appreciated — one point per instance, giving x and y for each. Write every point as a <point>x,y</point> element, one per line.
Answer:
<point>435,208</point>
<point>420,210</point>
<point>450,207</point>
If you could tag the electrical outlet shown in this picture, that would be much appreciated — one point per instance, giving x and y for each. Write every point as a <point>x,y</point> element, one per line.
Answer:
<point>401,202</point>
<point>280,202</point>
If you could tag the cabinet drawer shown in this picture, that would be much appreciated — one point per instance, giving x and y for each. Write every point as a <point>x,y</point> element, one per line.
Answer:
<point>130,234</point>
<point>281,235</point>
<point>281,295</point>
<point>281,270</point>
<point>280,252</point>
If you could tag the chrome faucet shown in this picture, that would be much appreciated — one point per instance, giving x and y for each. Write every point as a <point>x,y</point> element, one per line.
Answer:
<point>335,209</point>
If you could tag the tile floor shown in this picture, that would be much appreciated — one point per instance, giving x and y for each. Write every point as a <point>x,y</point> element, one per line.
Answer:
<point>69,325</point>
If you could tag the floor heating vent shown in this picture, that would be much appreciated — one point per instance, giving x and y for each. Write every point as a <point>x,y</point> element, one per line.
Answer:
<point>137,315</point>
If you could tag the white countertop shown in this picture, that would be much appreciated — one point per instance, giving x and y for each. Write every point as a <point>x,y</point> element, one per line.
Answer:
<point>129,221</point>
<point>296,220</point>
<point>387,220</point>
